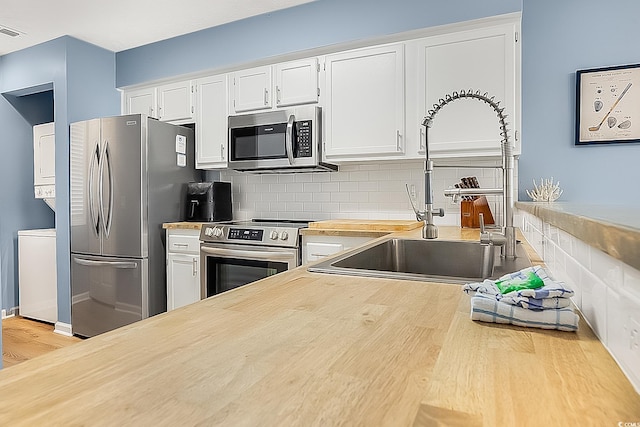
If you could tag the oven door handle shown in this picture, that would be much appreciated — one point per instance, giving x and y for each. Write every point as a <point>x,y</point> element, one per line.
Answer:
<point>259,255</point>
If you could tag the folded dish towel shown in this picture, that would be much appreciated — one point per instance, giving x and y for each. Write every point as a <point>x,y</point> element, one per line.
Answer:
<point>552,295</point>
<point>488,309</point>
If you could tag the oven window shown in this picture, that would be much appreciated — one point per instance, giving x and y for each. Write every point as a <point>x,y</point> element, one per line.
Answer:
<point>224,274</point>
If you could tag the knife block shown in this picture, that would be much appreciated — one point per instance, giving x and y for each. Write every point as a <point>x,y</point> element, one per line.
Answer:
<point>470,210</point>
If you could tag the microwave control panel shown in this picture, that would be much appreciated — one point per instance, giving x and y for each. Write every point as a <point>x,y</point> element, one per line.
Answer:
<point>303,139</point>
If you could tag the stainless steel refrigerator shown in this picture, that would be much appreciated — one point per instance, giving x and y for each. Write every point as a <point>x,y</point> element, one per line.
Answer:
<point>127,176</point>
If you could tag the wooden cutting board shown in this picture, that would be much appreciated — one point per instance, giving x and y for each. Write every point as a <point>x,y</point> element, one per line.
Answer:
<point>366,224</point>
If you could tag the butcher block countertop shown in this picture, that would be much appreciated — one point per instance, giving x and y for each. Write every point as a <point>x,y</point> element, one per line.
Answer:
<point>305,349</point>
<point>359,227</point>
<point>183,225</point>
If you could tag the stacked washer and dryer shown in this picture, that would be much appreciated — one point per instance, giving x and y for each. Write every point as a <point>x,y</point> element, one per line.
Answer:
<point>38,294</point>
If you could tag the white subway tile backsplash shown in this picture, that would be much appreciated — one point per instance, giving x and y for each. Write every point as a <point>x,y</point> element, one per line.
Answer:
<point>607,291</point>
<point>340,197</point>
<point>269,179</point>
<point>346,186</point>
<point>321,197</point>
<point>330,187</point>
<point>303,197</point>
<point>623,329</point>
<point>295,187</point>
<point>594,306</point>
<point>606,268</point>
<point>286,197</point>
<point>631,280</point>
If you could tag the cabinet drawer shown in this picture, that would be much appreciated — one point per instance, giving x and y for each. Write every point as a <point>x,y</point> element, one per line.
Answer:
<point>315,251</point>
<point>181,243</point>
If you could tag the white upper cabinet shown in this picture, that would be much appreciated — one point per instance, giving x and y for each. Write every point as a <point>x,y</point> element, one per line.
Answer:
<point>482,59</point>
<point>273,86</point>
<point>211,122</point>
<point>297,82</point>
<point>172,102</point>
<point>365,105</point>
<point>252,89</point>
<point>141,101</point>
<point>175,102</point>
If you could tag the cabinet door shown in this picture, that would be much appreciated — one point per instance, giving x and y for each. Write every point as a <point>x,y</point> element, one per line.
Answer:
<point>211,122</point>
<point>175,102</point>
<point>365,103</point>
<point>252,89</point>
<point>141,101</point>
<point>44,154</point>
<point>483,60</point>
<point>297,82</point>
<point>183,280</point>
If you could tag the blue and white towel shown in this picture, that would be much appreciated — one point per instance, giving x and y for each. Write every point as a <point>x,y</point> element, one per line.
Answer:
<point>552,295</point>
<point>488,309</point>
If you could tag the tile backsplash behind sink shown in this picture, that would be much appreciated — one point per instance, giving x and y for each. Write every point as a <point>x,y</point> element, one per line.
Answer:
<point>372,190</point>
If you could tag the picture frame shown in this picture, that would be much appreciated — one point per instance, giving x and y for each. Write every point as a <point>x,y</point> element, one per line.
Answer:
<point>608,105</point>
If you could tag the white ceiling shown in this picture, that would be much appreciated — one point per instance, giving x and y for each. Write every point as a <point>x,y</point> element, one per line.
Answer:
<point>121,24</point>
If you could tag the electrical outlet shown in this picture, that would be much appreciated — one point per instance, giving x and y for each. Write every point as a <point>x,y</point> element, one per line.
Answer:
<point>412,192</point>
<point>634,335</point>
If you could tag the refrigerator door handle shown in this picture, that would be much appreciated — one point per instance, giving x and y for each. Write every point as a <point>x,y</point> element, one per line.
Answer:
<point>109,218</point>
<point>106,217</point>
<point>114,264</point>
<point>95,225</point>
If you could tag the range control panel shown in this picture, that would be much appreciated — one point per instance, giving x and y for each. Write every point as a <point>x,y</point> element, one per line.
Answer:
<point>245,234</point>
<point>278,235</point>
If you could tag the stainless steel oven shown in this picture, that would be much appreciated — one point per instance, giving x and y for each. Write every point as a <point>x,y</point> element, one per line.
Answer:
<point>237,253</point>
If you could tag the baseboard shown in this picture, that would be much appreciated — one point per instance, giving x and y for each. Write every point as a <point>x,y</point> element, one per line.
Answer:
<point>63,329</point>
<point>12,312</point>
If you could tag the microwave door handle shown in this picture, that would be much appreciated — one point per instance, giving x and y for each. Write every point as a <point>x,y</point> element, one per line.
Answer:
<point>288,138</point>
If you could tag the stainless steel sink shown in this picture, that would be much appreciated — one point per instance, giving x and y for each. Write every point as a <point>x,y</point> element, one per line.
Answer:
<point>452,261</point>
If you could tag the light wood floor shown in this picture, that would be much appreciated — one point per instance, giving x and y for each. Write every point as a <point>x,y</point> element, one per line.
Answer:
<point>24,339</point>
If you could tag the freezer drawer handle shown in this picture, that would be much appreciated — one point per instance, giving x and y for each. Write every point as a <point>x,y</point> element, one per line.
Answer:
<point>114,264</point>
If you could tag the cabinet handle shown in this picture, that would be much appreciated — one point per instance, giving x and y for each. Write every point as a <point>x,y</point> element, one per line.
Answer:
<point>278,95</point>
<point>222,151</point>
<point>266,97</point>
<point>422,139</point>
<point>398,140</point>
<point>194,271</point>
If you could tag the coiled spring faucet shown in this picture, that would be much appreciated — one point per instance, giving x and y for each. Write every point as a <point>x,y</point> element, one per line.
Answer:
<point>507,240</point>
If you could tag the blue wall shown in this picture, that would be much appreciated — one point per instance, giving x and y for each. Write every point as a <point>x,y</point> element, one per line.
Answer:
<point>83,80</point>
<point>311,25</point>
<point>560,37</point>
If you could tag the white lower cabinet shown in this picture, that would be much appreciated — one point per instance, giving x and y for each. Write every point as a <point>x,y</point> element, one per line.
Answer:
<point>183,267</point>
<point>316,247</point>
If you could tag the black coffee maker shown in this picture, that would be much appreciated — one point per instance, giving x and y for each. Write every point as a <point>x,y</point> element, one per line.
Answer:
<point>208,201</point>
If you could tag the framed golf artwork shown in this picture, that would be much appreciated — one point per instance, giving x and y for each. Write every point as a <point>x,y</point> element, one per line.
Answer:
<point>608,105</point>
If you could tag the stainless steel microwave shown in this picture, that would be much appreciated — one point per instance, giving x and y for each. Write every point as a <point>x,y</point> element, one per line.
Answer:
<point>277,141</point>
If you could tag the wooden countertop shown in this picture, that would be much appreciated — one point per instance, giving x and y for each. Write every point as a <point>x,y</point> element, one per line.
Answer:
<point>183,225</point>
<point>358,227</point>
<point>309,349</point>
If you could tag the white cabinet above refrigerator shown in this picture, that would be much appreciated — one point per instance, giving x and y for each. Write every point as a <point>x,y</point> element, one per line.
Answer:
<point>44,163</point>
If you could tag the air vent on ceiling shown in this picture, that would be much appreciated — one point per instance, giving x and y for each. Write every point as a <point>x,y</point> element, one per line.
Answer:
<point>8,32</point>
